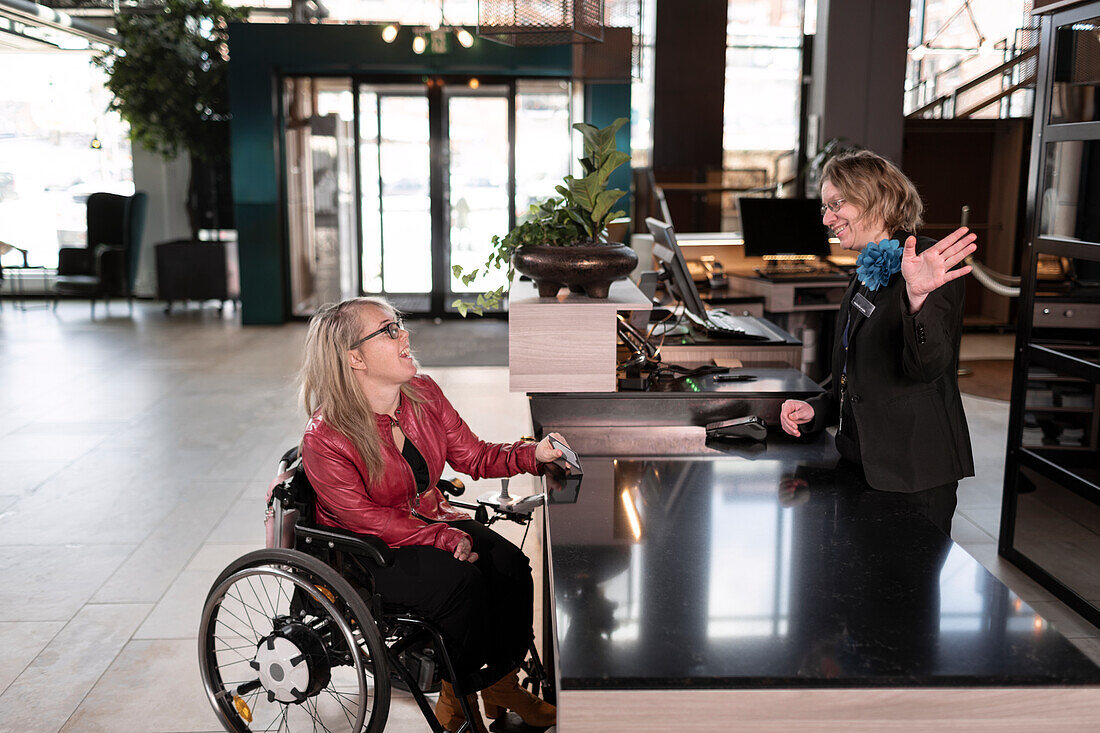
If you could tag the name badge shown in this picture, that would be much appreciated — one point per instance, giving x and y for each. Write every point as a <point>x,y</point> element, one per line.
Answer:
<point>863,305</point>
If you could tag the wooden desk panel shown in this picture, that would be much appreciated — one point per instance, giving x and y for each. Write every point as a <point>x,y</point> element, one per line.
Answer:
<point>567,343</point>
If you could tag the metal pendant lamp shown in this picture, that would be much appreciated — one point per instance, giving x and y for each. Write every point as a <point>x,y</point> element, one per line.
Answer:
<point>540,22</point>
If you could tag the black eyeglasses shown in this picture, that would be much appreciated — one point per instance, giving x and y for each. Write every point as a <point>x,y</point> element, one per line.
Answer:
<point>393,328</point>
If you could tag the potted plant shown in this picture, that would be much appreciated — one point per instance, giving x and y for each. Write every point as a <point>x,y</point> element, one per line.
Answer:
<point>563,241</point>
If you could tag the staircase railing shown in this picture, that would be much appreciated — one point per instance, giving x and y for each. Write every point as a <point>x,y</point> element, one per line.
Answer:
<point>946,105</point>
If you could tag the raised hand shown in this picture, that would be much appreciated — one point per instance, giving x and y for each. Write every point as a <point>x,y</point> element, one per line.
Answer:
<point>794,413</point>
<point>931,268</point>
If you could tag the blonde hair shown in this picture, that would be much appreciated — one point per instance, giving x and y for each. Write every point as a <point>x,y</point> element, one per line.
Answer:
<point>878,188</point>
<point>328,382</point>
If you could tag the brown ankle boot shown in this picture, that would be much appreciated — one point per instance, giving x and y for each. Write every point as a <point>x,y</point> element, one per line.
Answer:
<point>506,694</point>
<point>449,713</point>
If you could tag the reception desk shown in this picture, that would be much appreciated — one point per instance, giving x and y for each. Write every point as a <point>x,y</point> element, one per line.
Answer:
<point>758,587</point>
<point>669,417</point>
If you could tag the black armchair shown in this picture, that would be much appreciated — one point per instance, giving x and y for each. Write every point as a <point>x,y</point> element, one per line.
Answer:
<point>107,266</point>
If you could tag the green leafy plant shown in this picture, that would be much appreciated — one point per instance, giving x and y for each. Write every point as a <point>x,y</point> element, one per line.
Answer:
<point>169,79</point>
<point>590,198</point>
<point>578,217</point>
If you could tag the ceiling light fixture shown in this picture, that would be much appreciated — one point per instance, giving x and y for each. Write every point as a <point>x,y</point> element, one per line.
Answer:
<point>524,23</point>
<point>433,38</point>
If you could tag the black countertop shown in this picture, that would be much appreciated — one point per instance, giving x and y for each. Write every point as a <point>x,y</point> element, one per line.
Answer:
<point>773,569</point>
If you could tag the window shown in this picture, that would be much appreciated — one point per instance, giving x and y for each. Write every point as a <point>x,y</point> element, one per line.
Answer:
<point>951,43</point>
<point>763,78</point>
<point>57,145</point>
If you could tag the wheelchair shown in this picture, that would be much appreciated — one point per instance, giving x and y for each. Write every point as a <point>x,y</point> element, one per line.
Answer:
<point>297,639</point>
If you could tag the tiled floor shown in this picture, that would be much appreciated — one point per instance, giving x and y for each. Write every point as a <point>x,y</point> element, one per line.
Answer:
<point>135,454</point>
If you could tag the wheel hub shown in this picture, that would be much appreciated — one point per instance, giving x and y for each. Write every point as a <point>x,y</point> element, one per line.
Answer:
<point>291,663</point>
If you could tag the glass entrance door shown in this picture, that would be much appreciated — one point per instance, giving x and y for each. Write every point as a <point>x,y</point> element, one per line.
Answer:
<point>480,181</point>
<point>390,184</point>
<point>320,211</point>
<point>395,219</point>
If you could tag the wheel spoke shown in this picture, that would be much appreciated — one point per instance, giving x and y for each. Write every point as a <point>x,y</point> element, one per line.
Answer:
<point>347,713</point>
<point>246,607</point>
<point>253,641</point>
<point>226,648</point>
<point>233,650</point>
<point>285,594</point>
<point>280,711</point>
<point>259,608</point>
<point>274,606</point>
<point>247,621</point>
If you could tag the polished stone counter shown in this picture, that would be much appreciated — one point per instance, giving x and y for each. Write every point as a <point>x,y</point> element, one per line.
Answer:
<point>775,569</point>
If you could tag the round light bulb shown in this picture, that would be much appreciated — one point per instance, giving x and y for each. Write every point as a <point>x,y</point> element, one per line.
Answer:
<point>389,33</point>
<point>465,39</point>
<point>419,44</point>
<point>474,83</point>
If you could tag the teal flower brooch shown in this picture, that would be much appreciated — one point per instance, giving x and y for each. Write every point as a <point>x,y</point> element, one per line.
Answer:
<point>878,262</point>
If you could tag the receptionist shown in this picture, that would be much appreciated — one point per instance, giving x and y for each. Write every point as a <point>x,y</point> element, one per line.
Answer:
<point>894,395</point>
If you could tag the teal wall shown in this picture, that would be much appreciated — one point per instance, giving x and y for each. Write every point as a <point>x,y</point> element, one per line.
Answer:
<point>603,104</point>
<point>260,54</point>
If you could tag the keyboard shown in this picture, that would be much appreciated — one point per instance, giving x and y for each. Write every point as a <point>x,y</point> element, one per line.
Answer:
<point>721,324</point>
<point>799,273</point>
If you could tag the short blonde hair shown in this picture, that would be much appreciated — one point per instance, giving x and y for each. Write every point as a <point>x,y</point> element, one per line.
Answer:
<point>878,188</point>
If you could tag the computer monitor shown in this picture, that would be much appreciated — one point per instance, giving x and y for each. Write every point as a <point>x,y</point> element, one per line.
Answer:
<point>783,228</point>
<point>662,203</point>
<point>668,252</point>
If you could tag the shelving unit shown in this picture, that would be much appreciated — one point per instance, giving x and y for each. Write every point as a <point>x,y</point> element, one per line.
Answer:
<point>1050,522</point>
<point>1060,412</point>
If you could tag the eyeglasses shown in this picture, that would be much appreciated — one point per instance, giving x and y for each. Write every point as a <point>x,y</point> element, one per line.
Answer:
<point>393,328</point>
<point>833,206</point>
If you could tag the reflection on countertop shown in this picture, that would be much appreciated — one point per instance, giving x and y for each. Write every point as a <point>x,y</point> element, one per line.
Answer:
<point>776,569</point>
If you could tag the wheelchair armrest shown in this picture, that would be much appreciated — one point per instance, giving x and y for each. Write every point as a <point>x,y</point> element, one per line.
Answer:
<point>337,538</point>
<point>453,486</point>
<point>290,456</point>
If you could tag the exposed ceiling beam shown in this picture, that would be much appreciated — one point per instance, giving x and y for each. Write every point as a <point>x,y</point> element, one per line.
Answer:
<point>34,14</point>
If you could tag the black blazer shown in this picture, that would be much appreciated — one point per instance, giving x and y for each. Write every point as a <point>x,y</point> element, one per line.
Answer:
<point>903,385</point>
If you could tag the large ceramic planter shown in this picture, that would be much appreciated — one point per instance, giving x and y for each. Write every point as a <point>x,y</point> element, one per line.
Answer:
<point>587,268</point>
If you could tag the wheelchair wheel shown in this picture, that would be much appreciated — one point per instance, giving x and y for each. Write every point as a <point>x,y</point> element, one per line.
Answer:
<point>285,643</point>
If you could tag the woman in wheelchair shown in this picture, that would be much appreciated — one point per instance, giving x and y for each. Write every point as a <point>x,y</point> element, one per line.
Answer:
<point>377,439</point>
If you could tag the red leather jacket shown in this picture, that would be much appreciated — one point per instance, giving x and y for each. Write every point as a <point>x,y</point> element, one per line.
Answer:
<point>388,506</point>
